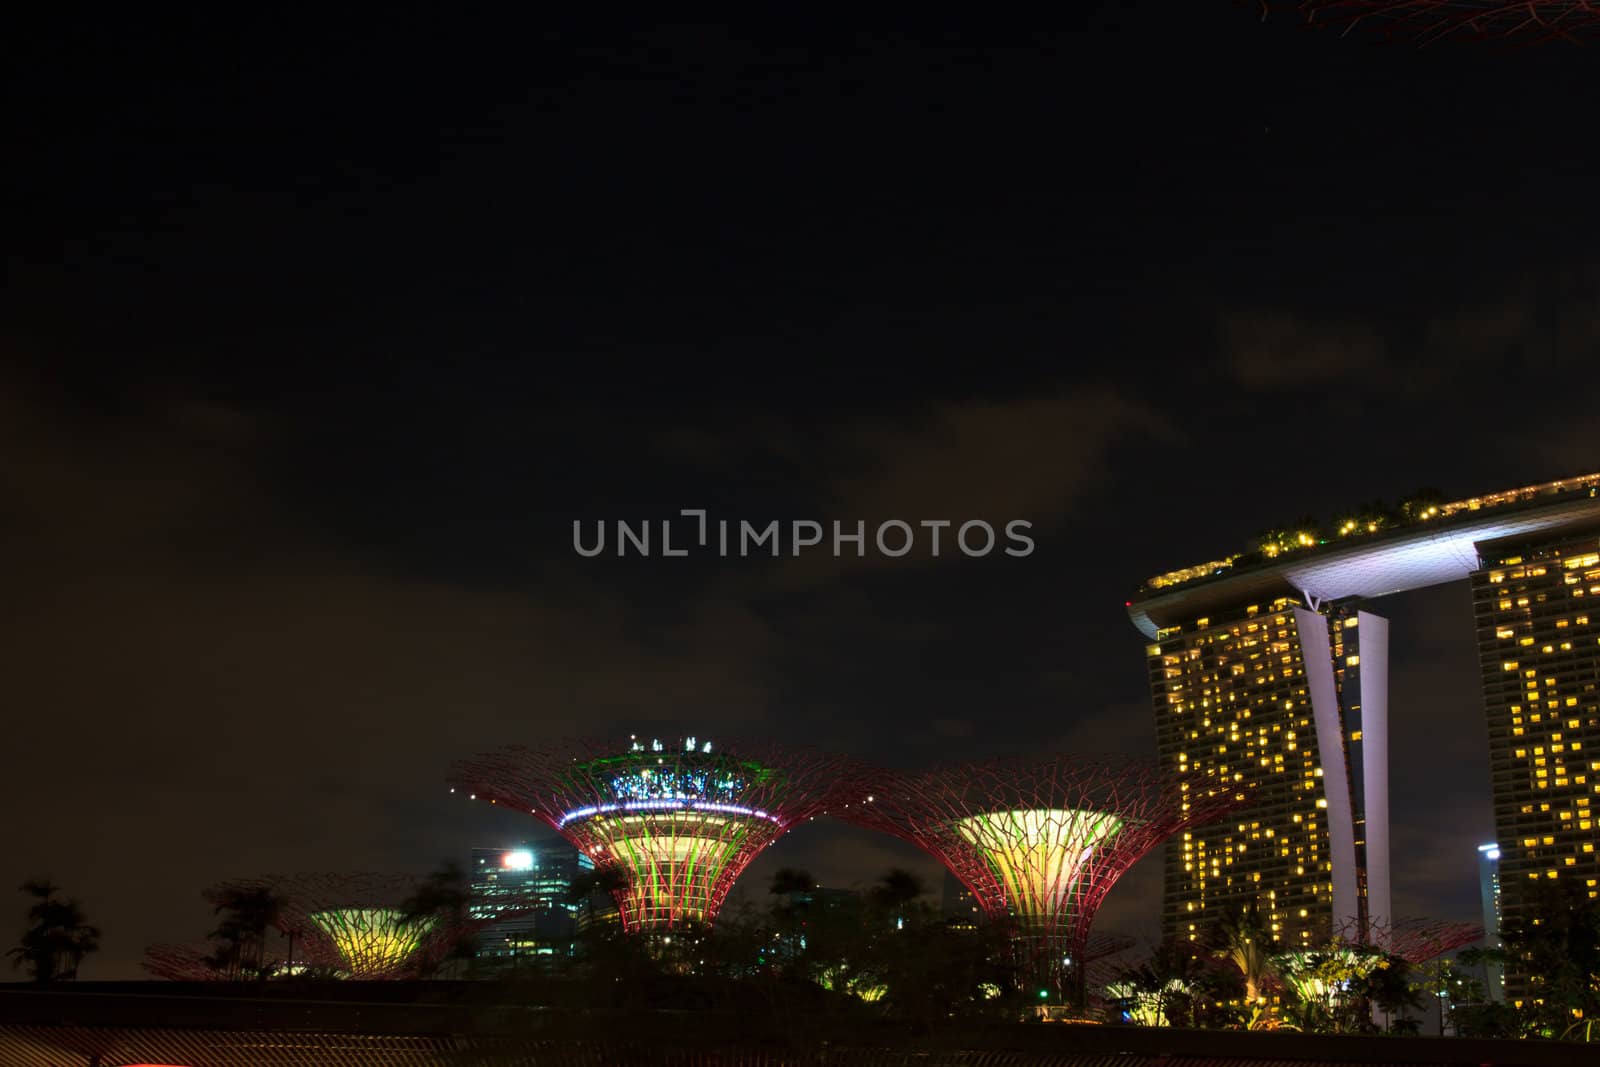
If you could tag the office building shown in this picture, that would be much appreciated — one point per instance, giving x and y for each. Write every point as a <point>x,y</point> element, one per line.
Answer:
<point>524,895</point>
<point>1489,899</point>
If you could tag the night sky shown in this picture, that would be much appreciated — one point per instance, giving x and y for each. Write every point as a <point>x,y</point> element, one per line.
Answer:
<point>320,333</point>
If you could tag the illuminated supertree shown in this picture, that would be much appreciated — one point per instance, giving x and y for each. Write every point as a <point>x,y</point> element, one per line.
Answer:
<point>353,925</point>
<point>1430,21</point>
<point>1038,840</point>
<point>673,823</point>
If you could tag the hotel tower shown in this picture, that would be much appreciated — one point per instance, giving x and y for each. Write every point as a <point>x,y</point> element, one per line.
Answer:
<point>1267,671</point>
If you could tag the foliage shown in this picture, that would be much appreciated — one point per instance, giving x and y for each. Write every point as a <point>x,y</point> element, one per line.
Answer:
<point>443,897</point>
<point>58,935</point>
<point>1556,943</point>
<point>1242,939</point>
<point>607,881</point>
<point>1180,984</point>
<point>1422,505</point>
<point>883,952</point>
<point>1334,988</point>
<point>789,881</point>
<point>239,941</point>
<point>1374,516</point>
<point>1449,982</point>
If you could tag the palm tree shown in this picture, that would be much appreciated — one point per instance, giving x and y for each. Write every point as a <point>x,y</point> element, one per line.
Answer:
<point>441,902</point>
<point>58,937</point>
<point>247,912</point>
<point>1165,990</point>
<point>609,880</point>
<point>1242,939</point>
<point>788,881</point>
<point>896,890</point>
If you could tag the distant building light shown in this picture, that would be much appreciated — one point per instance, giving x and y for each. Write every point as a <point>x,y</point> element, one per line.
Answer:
<point>518,860</point>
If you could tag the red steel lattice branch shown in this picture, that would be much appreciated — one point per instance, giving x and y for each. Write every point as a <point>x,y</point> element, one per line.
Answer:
<point>182,963</point>
<point>1431,21</point>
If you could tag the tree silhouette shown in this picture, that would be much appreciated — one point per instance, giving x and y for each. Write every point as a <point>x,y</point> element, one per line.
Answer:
<point>444,897</point>
<point>610,880</point>
<point>896,891</point>
<point>1555,943</point>
<point>788,880</point>
<point>247,912</point>
<point>58,936</point>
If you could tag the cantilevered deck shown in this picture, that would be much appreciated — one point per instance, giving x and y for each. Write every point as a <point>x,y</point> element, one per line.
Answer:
<point>1411,556</point>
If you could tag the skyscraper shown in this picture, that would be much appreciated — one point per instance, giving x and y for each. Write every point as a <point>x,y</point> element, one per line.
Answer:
<point>1489,897</point>
<point>1292,703</point>
<point>1540,656</point>
<point>531,887</point>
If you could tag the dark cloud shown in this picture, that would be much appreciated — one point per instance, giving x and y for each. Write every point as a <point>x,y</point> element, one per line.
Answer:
<point>1032,458</point>
<point>1268,350</point>
<point>1531,322</point>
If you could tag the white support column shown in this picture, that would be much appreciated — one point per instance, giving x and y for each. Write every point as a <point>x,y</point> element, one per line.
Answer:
<point>1374,639</point>
<point>1318,658</point>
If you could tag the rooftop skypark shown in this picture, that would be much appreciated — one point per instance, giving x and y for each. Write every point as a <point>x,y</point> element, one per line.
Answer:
<point>1372,523</point>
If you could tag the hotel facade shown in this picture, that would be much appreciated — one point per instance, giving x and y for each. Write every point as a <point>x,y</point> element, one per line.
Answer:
<point>1268,672</point>
<point>1290,703</point>
<point>1540,656</point>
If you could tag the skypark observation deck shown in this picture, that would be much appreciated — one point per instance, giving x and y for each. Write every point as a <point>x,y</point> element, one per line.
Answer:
<point>1427,552</point>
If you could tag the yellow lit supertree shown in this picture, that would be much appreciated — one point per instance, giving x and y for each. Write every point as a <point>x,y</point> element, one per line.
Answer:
<point>353,925</point>
<point>1038,840</point>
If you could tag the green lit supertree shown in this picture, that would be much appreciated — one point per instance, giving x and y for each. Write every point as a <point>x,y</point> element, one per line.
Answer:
<point>678,821</point>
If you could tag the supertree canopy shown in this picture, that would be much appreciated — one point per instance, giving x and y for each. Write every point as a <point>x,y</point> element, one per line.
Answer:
<point>1038,840</point>
<point>677,821</point>
<point>373,942</point>
<point>1429,21</point>
<point>353,925</point>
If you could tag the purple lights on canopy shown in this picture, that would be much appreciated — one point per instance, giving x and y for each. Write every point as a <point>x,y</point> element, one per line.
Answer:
<point>665,804</point>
